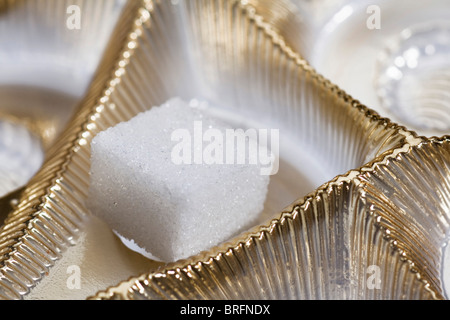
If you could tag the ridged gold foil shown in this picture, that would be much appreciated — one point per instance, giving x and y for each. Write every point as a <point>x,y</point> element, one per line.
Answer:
<point>50,209</point>
<point>392,214</point>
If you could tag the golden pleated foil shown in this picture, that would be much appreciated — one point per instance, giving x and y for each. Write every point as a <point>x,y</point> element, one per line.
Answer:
<point>391,217</point>
<point>322,247</point>
<point>50,210</point>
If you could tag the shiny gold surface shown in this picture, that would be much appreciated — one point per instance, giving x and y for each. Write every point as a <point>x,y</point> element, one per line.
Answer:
<point>44,112</point>
<point>9,202</point>
<point>295,256</point>
<point>318,248</point>
<point>5,4</point>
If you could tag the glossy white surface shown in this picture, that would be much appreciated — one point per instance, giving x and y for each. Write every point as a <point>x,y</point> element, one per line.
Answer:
<point>446,269</point>
<point>348,46</point>
<point>21,156</point>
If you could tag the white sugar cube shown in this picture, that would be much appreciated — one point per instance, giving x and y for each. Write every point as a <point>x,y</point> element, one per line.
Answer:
<point>156,182</point>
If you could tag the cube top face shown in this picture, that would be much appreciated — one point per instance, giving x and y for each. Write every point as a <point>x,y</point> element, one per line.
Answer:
<point>174,141</point>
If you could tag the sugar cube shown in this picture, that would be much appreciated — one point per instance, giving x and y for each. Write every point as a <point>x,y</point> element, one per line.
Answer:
<point>156,181</point>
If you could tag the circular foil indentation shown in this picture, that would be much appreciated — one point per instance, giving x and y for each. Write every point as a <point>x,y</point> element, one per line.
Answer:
<point>413,79</point>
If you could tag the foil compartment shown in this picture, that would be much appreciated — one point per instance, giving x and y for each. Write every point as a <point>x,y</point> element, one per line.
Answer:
<point>47,56</point>
<point>41,83</point>
<point>376,233</point>
<point>46,66</point>
<point>391,55</point>
<point>225,52</point>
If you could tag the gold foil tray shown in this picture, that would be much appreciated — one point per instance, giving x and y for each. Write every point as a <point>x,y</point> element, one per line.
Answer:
<point>320,247</point>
